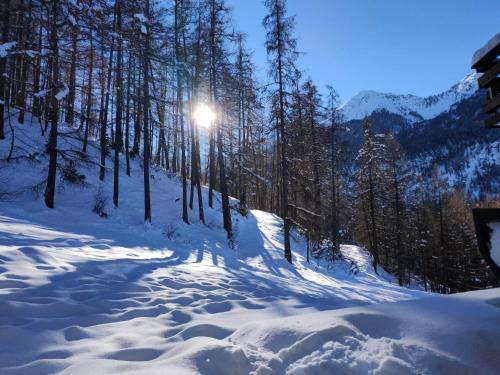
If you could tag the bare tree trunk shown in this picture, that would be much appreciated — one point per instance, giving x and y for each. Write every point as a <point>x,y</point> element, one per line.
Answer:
<point>70,104</point>
<point>127,118</point>
<point>3,64</point>
<point>372,219</point>
<point>119,105</point>
<point>226,213</point>
<point>104,117</point>
<point>196,158</point>
<point>180,109</point>
<point>137,116</point>
<point>21,93</point>
<point>284,165</point>
<point>51,178</point>
<point>90,84</point>
<point>146,52</point>
<point>36,77</point>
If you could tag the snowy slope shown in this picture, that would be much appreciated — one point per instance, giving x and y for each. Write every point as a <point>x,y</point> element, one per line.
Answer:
<point>81,294</point>
<point>411,107</point>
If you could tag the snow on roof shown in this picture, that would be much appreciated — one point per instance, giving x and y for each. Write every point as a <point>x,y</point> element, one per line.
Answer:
<point>481,52</point>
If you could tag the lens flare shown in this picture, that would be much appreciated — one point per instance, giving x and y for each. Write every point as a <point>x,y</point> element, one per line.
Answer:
<point>204,116</point>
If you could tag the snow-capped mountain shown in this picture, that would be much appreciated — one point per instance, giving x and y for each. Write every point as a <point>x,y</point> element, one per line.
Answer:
<point>455,140</point>
<point>411,107</point>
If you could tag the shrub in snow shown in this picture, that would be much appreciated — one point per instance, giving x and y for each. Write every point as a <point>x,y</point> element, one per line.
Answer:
<point>171,231</point>
<point>100,202</point>
<point>70,174</point>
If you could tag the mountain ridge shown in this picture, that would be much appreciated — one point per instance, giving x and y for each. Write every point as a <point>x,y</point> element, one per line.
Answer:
<point>412,107</point>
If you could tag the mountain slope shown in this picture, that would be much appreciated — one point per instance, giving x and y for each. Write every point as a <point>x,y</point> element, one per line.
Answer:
<point>455,140</point>
<point>412,108</point>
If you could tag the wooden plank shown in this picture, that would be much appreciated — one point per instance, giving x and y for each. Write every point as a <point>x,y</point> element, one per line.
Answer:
<point>488,60</point>
<point>494,88</point>
<point>492,105</point>
<point>489,76</point>
<point>493,121</point>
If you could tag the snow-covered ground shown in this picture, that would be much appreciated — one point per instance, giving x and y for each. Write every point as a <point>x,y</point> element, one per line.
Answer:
<point>82,294</point>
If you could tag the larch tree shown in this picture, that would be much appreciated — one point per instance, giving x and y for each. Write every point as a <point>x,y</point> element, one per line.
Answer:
<point>280,46</point>
<point>5,7</point>
<point>54,103</point>
<point>145,109</point>
<point>119,104</point>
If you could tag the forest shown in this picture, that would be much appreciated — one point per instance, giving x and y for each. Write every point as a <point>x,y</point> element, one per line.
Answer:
<point>173,85</point>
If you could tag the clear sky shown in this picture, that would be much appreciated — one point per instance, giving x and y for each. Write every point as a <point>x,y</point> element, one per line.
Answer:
<point>419,47</point>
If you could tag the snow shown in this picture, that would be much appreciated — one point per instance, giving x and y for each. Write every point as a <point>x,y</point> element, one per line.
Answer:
<point>63,93</point>
<point>480,53</point>
<point>82,294</point>
<point>141,17</point>
<point>5,47</point>
<point>411,107</point>
<point>30,53</point>
<point>495,242</point>
<point>72,20</point>
<point>143,20</point>
<point>40,93</point>
<point>475,160</point>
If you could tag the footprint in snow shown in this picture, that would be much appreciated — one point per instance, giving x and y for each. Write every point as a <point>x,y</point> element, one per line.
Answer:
<point>75,333</point>
<point>206,330</point>
<point>217,307</point>
<point>180,317</point>
<point>135,355</point>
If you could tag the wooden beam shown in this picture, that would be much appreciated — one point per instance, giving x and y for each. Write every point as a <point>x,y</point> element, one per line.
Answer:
<point>489,76</point>
<point>493,121</point>
<point>492,105</point>
<point>488,60</point>
<point>494,88</point>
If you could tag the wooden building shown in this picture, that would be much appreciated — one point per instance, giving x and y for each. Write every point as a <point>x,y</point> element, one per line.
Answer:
<point>487,61</point>
<point>487,220</point>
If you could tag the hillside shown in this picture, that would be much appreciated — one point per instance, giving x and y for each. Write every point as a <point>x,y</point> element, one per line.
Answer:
<point>81,293</point>
<point>455,140</point>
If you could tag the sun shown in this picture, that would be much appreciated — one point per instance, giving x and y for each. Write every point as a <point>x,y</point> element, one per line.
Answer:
<point>204,116</point>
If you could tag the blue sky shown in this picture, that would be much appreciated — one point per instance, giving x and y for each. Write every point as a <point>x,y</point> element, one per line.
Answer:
<point>400,46</point>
